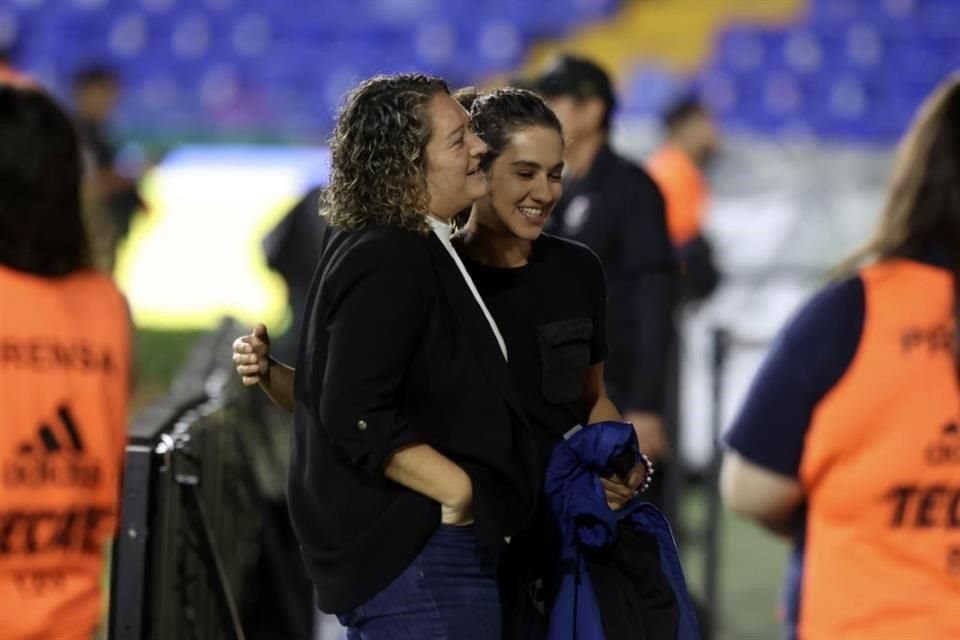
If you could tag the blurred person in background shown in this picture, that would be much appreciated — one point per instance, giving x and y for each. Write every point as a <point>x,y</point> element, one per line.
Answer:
<point>679,168</point>
<point>290,249</point>
<point>96,93</point>
<point>848,443</point>
<point>613,206</point>
<point>410,462</point>
<point>65,382</point>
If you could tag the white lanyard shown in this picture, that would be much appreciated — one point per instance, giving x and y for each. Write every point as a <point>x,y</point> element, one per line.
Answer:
<point>443,231</point>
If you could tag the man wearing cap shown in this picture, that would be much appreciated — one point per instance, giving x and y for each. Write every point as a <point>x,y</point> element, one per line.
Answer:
<point>615,208</point>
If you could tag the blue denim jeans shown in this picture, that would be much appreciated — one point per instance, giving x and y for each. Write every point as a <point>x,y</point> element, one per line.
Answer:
<point>447,593</point>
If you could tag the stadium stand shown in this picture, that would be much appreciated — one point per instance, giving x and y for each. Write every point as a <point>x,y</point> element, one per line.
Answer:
<point>244,65</point>
<point>254,66</point>
<point>850,69</point>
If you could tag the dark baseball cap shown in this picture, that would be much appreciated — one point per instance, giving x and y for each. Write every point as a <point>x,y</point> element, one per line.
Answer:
<point>570,75</point>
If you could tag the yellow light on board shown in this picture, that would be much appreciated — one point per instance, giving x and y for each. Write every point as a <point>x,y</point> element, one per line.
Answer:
<point>196,256</point>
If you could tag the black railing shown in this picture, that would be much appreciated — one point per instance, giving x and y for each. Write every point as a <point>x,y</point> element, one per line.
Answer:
<point>709,536</point>
<point>195,532</point>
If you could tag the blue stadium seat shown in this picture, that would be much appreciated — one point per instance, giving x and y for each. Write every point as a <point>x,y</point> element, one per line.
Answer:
<point>650,89</point>
<point>743,49</point>
<point>859,67</point>
<point>939,17</point>
<point>294,57</point>
<point>850,68</point>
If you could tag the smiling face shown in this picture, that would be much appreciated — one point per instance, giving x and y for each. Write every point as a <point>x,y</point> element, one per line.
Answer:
<point>454,178</point>
<point>525,183</point>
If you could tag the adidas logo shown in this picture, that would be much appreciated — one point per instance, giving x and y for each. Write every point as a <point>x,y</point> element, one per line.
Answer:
<point>946,448</point>
<point>54,458</point>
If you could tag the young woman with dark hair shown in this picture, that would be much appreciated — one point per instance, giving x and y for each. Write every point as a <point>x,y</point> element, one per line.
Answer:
<point>65,372</point>
<point>848,442</point>
<point>548,296</point>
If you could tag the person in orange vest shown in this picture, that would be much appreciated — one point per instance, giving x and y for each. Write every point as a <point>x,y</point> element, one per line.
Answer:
<point>848,441</point>
<point>678,167</point>
<point>65,382</point>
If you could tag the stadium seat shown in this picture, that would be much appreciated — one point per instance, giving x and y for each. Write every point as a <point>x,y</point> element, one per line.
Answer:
<point>859,68</point>
<point>855,68</point>
<point>195,61</point>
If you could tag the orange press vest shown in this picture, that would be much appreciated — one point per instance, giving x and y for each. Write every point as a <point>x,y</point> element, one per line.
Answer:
<point>881,470</point>
<point>684,192</point>
<point>65,350</point>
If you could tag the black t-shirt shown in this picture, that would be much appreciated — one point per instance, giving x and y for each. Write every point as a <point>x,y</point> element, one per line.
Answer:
<point>552,315</point>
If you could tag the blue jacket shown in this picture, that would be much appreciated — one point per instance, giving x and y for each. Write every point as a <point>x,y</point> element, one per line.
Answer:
<point>586,522</point>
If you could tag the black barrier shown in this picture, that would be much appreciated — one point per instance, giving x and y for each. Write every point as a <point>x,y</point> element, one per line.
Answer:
<point>194,530</point>
<point>711,535</point>
<point>714,519</point>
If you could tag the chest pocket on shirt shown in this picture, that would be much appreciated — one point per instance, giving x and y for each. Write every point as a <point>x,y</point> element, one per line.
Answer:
<point>565,354</point>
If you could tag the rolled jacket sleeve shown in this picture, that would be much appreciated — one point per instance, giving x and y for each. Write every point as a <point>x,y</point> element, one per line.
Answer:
<point>375,319</point>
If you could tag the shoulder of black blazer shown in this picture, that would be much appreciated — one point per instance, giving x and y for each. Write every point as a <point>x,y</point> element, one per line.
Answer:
<point>382,244</point>
<point>406,250</point>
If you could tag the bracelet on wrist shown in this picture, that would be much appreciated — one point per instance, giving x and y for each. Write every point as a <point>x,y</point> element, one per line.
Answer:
<point>648,477</point>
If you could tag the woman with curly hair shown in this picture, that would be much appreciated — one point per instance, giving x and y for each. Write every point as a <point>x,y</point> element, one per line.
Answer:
<point>410,464</point>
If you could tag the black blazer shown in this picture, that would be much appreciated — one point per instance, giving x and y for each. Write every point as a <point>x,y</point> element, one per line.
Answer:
<point>394,351</point>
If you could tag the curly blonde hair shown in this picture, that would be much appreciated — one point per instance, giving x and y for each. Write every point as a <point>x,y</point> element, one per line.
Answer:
<point>378,166</point>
